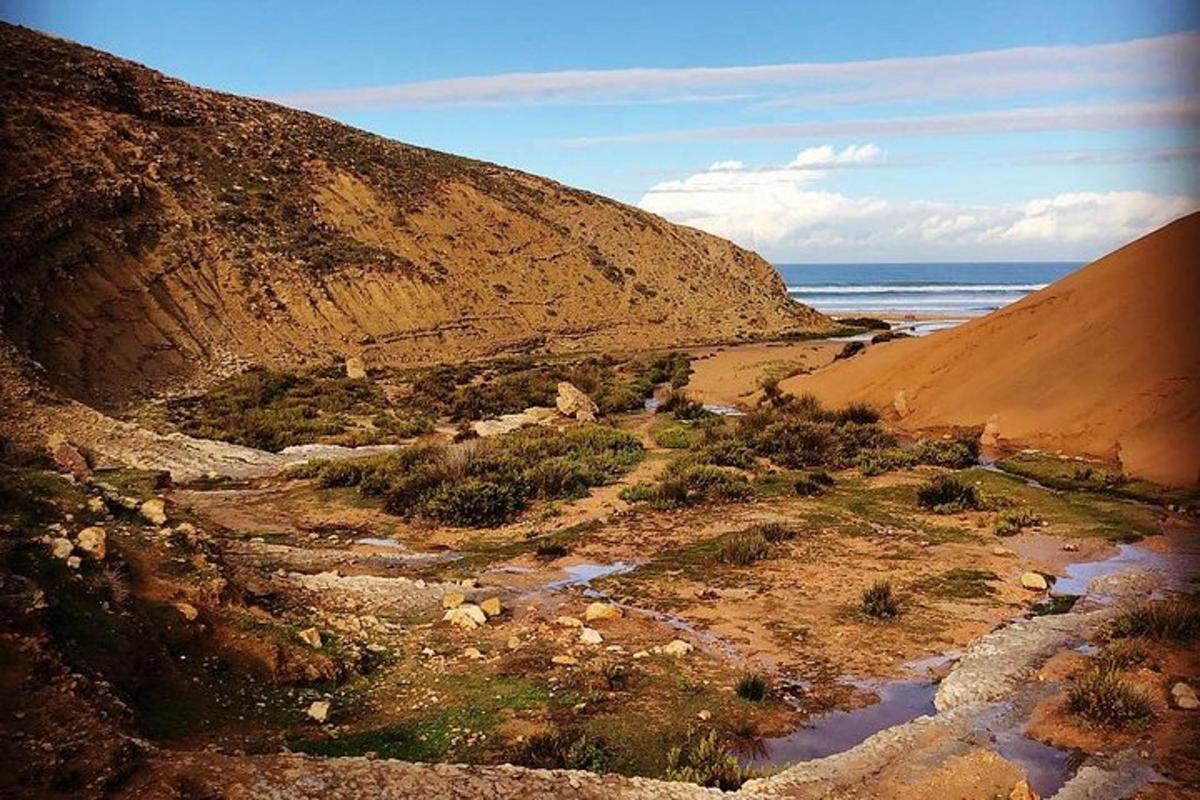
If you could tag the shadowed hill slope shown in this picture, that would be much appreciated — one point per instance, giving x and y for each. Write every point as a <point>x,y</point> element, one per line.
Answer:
<point>153,232</point>
<point>1105,362</point>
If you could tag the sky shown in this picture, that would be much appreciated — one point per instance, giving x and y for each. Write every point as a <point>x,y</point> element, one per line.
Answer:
<point>809,131</point>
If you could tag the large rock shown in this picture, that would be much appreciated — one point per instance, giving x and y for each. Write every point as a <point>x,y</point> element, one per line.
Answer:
<point>467,616</point>
<point>601,611</point>
<point>93,541</point>
<point>1035,581</point>
<point>355,369</point>
<point>154,511</point>
<point>571,402</point>
<point>67,457</point>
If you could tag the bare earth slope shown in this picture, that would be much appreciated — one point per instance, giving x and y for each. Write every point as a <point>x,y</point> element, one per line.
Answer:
<point>152,231</point>
<point>1105,362</point>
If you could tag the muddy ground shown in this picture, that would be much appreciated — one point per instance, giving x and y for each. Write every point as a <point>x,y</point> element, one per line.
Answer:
<point>271,615</point>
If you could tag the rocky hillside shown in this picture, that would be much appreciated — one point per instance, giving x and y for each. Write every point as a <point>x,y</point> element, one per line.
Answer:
<point>153,232</point>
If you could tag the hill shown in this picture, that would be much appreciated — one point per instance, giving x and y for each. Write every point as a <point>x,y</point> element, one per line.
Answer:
<point>1103,363</point>
<point>154,233</point>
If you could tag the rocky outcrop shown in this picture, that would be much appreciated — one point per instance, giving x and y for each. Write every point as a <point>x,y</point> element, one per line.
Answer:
<point>156,233</point>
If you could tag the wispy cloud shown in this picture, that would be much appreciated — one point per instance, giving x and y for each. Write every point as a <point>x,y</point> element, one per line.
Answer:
<point>1114,115</point>
<point>1133,155</point>
<point>1169,60</point>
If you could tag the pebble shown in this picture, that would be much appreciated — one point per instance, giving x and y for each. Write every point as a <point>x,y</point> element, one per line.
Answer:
<point>590,636</point>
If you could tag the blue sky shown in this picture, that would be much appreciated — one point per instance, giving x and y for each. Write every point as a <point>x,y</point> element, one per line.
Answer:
<point>810,131</point>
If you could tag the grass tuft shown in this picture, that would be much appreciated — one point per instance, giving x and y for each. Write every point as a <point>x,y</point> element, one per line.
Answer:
<point>1103,697</point>
<point>752,686</point>
<point>1173,618</point>
<point>946,494</point>
<point>879,601</point>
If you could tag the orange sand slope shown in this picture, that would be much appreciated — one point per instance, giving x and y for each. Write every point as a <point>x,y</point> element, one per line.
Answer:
<point>1103,363</point>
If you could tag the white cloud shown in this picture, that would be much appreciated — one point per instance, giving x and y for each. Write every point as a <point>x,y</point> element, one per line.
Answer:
<point>784,213</point>
<point>1169,60</point>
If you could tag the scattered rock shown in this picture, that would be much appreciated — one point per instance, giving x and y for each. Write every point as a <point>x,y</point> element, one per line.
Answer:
<point>601,611</point>
<point>355,369</point>
<point>96,505</point>
<point>319,710</point>
<point>675,648</point>
<point>311,637</point>
<point>640,654</point>
<point>1003,551</point>
<point>472,653</point>
<point>74,562</point>
<point>61,547</point>
<point>1070,547</point>
<point>571,402</point>
<point>492,607</point>
<point>1184,696</point>
<point>93,541</point>
<point>991,432</point>
<point>1035,581</point>
<point>590,636</point>
<point>704,714</point>
<point>467,616</point>
<point>187,611</point>
<point>565,660</point>
<point>506,423</point>
<point>900,403</point>
<point>453,600</point>
<point>67,457</point>
<point>154,511</point>
<point>514,643</point>
<point>568,622</point>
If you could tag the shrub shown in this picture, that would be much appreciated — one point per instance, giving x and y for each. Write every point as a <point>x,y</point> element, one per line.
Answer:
<point>550,550</point>
<point>475,503</point>
<point>675,437</point>
<point>947,495</point>
<point>752,686</point>
<point>1103,697</point>
<point>812,483</point>
<point>680,406</point>
<point>858,413</point>
<point>1013,522</point>
<point>563,750</point>
<point>879,602</point>
<point>727,453</point>
<point>705,760</point>
<point>1120,654</point>
<point>743,549</point>
<point>776,532</point>
<point>1173,618</point>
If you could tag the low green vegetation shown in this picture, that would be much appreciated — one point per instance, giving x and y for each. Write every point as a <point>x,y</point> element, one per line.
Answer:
<point>486,482</point>
<point>961,584</point>
<point>752,686</point>
<point>880,602</point>
<point>946,494</point>
<point>688,484</point>
<point>272,410</point>
<point>1010,523</point>
<point>1175,619</point>
<point>705,760</point>
<point>743,549</point>
<point>1120,654</point>
<point>1074,475</point>
<point>1107,699</point>
<point>562,749</point>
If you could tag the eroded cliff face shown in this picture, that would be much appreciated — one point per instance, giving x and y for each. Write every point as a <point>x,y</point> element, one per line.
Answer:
<point>153,233</point>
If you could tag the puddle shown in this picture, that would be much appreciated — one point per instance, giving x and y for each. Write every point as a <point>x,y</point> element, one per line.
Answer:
<point>584,574</point>
<point>1130,557</point>
<point>720,409</point>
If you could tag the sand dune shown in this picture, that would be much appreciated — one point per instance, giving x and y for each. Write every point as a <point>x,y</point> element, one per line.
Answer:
<point>1103,363</point>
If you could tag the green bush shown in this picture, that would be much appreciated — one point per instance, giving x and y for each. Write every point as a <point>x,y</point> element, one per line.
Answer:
<point>691,484</point>
<point>475,503</point>
<point>563,750</point>
<point>1103,697</point>
<point>1011,523</point>
<point>727,453</point>
<point>752,686</point>
<point>680,406</point>
<point>814,482</point>
<point>674,437</point>
<point>743,549</point>
<point>775,532</point>
<point>858,413</point>
<point>879,602</point>
<point>1172,618</point>
<point>705,760</point>
<point>947,495</point>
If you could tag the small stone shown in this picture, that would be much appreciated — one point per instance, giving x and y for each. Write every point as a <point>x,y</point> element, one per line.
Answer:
<point>96,505</point>
<point>590,636</point>
<point>61,547</point>
<point>676,648</point>
<point>188,611</point>
<point>376,648</point>
<point>1184,696</point>
<point>93,542</point>
<point>472,653</point>
<point>74,562</point>
<point>601,611</point>
<point>514,643</point>
<point>1022,791</point>
<point>491,606</point>
<point>1003,552</point>
<point>319,710</point>
<point>1034,581</point>
<point>640,654</point>
<point>565,660</point>
<point>569,622</point>
<point>355,369</point>
<point>311,637</point>
<point>154,511</point>
<point>453,600</point>
<point>704,714</point>
<point>469,583</point>
<point>1070,547</point>
<point>67,457</point>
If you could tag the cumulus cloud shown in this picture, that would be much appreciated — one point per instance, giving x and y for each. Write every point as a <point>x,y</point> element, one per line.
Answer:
<point>786,214</point>
<point>1159,61</point>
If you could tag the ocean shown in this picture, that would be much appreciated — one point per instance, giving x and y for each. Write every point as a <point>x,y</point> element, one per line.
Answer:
<point>894,291</point>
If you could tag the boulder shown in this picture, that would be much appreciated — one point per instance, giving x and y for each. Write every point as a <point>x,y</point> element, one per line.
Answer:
<point>571,402</point>
<point>154,511</point>
<point>467,616</point>
<point>1034,581</point>
<point>67,457</point>
<point>61,547</point>
<point>355,369</point>
<point>590,636</point>
<point>319,710</point>
<point>491,606</point>
<point>675,648</point>
<point>601,611</point>
<point>93,541</point>
<point>311,637</point>
<point>1184,696</point>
